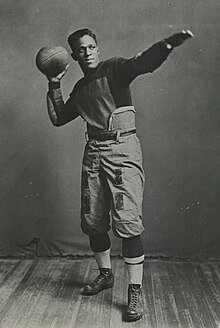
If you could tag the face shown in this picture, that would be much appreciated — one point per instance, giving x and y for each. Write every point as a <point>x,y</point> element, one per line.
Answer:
<point>86,53</point>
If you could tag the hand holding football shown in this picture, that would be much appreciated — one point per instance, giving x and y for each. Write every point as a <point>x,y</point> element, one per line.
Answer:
<point>51,61</point>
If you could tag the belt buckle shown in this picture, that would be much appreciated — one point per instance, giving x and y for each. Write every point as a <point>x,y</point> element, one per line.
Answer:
<point>118,133</point>
<point>86,136</point>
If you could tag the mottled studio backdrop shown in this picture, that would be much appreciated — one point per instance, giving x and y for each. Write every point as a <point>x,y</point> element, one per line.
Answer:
<point>178,118</point>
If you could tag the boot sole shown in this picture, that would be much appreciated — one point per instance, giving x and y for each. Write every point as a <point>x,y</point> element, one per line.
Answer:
<point>95,293</point>
<point>133,318</point>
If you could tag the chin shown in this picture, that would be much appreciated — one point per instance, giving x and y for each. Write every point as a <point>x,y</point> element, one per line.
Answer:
<point>89,66</point>
<point>92,66</point>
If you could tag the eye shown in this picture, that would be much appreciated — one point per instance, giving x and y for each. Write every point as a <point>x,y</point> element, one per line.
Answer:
<point>92,47</point>
<point>81,50</point>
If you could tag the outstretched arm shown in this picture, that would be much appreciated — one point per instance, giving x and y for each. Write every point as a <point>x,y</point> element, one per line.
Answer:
<point>59,112</point>
<point>152,58</point>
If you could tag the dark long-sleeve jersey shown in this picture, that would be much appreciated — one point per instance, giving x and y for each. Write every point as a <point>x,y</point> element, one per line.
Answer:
<point>107,88</point>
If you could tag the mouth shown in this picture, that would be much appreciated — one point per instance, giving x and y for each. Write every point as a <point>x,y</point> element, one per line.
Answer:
<point>90,60</point>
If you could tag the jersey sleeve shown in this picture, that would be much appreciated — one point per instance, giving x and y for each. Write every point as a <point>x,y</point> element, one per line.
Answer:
<point>144,62</point>
<point>59,112</point>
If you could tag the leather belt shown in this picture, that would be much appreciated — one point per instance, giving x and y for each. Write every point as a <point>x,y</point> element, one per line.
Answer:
<point>110,135</point>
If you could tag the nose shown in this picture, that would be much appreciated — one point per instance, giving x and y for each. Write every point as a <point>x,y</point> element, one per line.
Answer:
<point>87,52</point>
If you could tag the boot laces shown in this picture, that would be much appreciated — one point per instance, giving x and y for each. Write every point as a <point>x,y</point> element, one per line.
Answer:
<point>97,280</point>
<point>134,298</point>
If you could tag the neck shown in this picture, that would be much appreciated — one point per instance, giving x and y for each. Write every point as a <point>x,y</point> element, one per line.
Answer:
<point>88,71</point>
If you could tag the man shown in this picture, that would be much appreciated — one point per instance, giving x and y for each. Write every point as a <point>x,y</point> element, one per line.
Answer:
<point>112,171</point>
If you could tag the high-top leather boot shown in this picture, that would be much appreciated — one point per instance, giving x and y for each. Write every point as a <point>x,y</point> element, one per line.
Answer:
<point>104,280</point>
<point>135,308</point>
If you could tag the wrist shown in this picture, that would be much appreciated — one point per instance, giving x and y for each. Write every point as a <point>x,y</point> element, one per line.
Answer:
<point>53,85</point>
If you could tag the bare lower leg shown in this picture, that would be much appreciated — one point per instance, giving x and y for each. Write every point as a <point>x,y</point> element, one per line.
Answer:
<point>100,244</point>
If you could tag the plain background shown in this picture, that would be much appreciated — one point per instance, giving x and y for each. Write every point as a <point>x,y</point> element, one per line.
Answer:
<point>177,118</point>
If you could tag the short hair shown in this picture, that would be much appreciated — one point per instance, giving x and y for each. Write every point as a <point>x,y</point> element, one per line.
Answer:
<point>74,37</point>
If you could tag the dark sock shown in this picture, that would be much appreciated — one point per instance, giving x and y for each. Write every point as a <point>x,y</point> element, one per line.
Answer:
<point>132,247</point>
<point>100,242</point>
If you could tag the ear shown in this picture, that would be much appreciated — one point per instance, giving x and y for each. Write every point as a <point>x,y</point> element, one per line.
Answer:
<point>98,50</point>
<point>73,55</point>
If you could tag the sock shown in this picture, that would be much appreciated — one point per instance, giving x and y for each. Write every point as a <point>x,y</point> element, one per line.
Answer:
<point>135,269</point>
<point>103,259</point>
<point>133,254</point>
<point>132,247</point>
<point>100,242</point>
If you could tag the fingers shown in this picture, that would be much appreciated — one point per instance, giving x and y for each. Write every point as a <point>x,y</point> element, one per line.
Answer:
<point>59,76</point>
<point>188,33</point>
<point>53,79</point>
<point>177,39</point>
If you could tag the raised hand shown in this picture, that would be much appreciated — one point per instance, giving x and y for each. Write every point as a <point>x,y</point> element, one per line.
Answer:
<point>177,39</point>
<point>59,76</point>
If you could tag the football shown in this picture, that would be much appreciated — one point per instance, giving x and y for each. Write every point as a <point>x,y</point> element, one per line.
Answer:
<point>52,60</point>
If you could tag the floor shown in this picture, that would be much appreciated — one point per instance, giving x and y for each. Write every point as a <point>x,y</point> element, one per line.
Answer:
<point>44,293</point>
